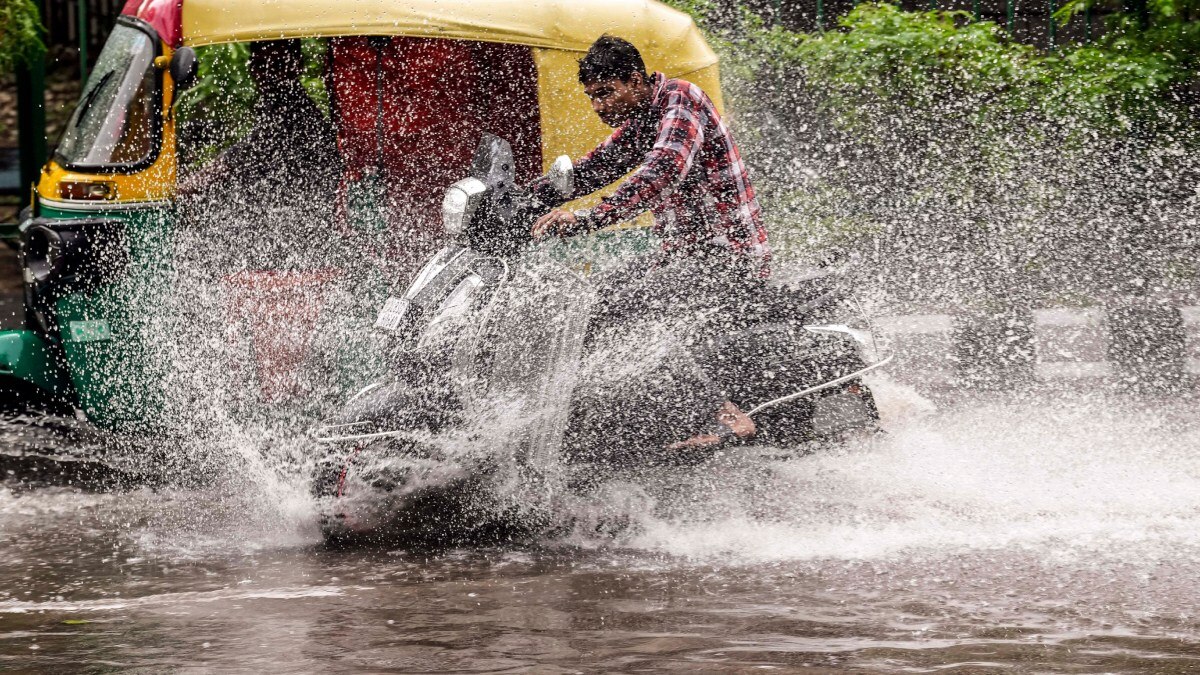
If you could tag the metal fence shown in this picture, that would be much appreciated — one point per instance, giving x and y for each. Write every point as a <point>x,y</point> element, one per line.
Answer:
<point>81,25</point>
<point>73,28</point>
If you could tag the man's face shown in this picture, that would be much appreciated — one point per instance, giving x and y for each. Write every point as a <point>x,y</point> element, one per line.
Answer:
<point>616,101</point>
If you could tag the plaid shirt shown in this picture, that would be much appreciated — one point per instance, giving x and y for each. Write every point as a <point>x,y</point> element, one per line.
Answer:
<point>689,174</point>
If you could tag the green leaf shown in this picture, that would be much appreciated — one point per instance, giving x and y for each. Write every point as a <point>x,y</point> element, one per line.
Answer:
<point>21,34</point>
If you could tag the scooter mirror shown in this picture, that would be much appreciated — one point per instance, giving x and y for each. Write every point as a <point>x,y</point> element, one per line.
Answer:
<point>562,176</point>
<point>184,67</point>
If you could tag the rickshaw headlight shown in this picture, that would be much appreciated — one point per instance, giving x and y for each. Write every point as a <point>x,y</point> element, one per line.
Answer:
<point>460,203</point>
<point>87,190</point>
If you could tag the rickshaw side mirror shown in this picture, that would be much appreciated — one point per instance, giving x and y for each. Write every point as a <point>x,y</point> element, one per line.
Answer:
<point>562,176</point>
<point>184,67</point>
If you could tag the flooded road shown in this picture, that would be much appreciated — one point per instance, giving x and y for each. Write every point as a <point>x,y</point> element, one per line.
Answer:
<point>1019,536</point>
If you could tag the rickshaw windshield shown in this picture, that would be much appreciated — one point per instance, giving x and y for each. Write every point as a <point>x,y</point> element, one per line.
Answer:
<point>116,126</point>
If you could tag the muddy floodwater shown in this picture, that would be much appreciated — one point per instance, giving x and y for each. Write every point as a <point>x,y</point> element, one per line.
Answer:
<point>1008,535</point>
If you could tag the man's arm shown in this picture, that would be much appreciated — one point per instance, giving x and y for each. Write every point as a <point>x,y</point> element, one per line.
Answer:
<point>680,136</point>
<point>605,163</point>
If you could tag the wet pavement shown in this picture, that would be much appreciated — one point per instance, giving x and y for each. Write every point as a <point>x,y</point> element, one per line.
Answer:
<point>998,534</point>
<point>1052,531</point>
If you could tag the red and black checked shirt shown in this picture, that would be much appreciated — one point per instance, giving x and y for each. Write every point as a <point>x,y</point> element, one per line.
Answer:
<point>689,174</point>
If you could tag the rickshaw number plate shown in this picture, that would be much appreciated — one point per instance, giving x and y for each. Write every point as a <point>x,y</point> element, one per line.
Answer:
<point>391,314</point>
<point>89,331</point>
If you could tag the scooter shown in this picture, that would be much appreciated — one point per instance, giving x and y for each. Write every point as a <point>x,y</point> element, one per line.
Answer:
<point>513,380</point>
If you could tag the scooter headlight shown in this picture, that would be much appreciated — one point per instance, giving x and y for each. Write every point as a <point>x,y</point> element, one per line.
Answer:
<point>460,203</point>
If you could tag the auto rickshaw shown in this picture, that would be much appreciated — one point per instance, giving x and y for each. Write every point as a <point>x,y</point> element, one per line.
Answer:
<point>96,240</point>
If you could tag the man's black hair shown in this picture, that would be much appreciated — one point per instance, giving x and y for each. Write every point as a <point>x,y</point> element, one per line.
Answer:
<point>611,58</point>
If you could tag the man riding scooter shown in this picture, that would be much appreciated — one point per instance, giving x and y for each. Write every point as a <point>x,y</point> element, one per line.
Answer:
<point>688,171</point>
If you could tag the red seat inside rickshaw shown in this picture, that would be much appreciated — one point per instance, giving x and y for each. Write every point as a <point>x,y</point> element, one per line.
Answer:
<point>412,110</point>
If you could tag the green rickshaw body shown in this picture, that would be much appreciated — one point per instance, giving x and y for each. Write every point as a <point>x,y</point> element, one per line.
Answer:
<point>96,247</point>
<point>31,377</point>
<point>109,333</point>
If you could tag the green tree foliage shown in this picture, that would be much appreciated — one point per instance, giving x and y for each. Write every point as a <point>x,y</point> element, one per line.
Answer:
<point>963,161</point>
<point>21,34</point>
<point>1167,28</point>
<point>1144,55</point>
<point>881,59</point>
<point>219,108</point>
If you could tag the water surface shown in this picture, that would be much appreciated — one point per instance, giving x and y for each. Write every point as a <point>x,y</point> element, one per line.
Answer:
<point>1001,534</point>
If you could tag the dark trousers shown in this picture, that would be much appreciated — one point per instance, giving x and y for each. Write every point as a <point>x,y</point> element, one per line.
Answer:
<point>648,352</point>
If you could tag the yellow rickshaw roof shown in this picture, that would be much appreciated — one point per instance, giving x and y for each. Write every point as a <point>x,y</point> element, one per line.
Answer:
<point>666,37</point>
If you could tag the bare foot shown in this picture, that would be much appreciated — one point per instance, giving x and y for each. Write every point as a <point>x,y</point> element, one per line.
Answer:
<point>731,416</point>
<point>701,441</point>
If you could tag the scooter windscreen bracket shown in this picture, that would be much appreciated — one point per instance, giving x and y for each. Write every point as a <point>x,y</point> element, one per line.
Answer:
<point>493,162</point>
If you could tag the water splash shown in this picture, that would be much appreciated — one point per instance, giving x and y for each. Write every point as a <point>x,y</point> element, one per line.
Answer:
<point>1066,478</point>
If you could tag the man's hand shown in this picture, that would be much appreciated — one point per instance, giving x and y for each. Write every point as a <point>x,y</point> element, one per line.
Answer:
<point>558,222</point>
